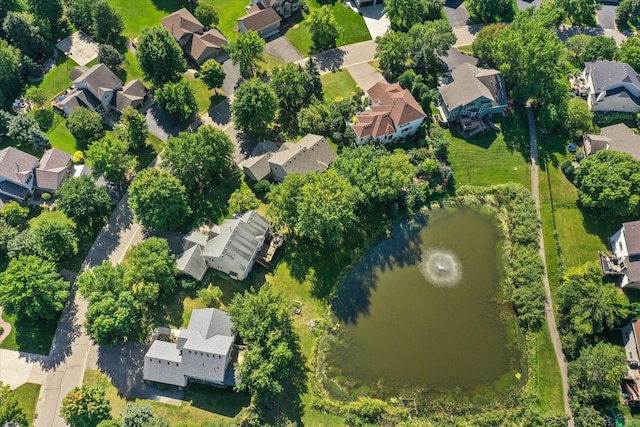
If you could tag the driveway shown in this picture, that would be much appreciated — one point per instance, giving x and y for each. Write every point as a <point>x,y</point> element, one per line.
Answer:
<point>232,76</point>
<point>456,13</point>
<point>280,47</point>
<point>343,57</point>
<point>376,22</point>
<point>455,57</point>
<point>17,368</point>
<point>365,75</point>
<point>525,4</point>
<point>607,16</point>
<point>160,123</point>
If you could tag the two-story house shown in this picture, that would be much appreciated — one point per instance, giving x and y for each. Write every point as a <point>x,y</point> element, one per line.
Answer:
<point>203,352</point>
<point>198,44</point>
<point>625,244</point>
<point>285,8</point>
<point>617,137</point>
<point>612,86</point>
<point>54,168</point>
<point>17,176</point>
<point>473,93</point>
<point>394,114</point>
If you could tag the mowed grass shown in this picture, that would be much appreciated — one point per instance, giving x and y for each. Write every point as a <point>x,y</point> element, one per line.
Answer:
<point>60,137</point>
<point>549,380</point>
<point>338,84</point>
<point>27,397</point>
<point>57,79</point>
<point>143,13</point>
<point>228,12</point>
<point>201,405</point>
<point>493,158</point>
<point>24,337</point>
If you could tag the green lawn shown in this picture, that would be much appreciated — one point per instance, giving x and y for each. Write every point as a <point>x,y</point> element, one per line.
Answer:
<point>24,337</point>
<point>204,96</point>
<point>146,13</point>
<point>228,12</point>
<point>57,79</point>
<point>27,396</point>
<point>493,158</point>
<point>59,135</point>
<point>201,404</point>
<point>468,49</point>
<point>131,70</point>
<point>337,84</point>
<point>549,380</point>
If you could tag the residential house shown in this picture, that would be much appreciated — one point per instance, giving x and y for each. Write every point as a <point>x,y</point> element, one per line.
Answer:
<point>393,114</point>
<point>473,93</point>
<point>265,22</point>
<point>198,44</point>
<point>363,3</point>
<point>617,137</point>
<point>203,352</point>
<point>612,86</point>
<point>99,89</point>
<point>230,247</point>
<point>631,381</point>
<point>55,167</point>
<point>625,264</point>
<point>17,177</point>
<point>285,8</point>
<point>311,154</point>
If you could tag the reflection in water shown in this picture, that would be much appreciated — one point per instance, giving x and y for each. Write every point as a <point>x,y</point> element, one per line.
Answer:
<point>441,267</point>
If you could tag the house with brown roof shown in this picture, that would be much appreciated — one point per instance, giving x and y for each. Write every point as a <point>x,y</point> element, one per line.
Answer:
<point>616,137</point>
<point>265,22</point>
<point>311,154</point>
<point>394,114</point>
<point>198,44</point>
<point>99,89</point>
<point>625,244</point>
<point>17,178</point>
<point>55,167</point>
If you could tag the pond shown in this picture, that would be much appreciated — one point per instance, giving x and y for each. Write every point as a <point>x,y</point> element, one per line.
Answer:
<point>419,313</point>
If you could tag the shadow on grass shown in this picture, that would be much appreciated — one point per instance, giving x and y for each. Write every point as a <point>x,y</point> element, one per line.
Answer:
<point>216,400</point>
<point>170,6</point>
<point>27,338</point>
<point>516,132</point>
<point>601,225</point>
<point>552,147</point>
<point>212,202</point>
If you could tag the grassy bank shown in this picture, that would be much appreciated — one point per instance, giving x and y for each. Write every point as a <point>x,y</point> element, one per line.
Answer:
<point>27,397</point>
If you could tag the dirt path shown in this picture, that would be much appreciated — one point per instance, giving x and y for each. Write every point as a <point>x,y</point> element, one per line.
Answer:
<point>548,306</point>
<point>6,328</point>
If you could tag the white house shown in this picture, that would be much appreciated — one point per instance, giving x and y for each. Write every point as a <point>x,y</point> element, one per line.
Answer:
<point>625,245</point>
<point>612,86</point>
<point>394,114</point>
<point>202,353</point>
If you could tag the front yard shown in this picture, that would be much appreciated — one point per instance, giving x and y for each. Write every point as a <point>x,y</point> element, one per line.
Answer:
<point>27,396</point>
<point>338,84</point>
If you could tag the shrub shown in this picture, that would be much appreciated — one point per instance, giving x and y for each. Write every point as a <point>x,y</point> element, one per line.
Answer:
<point>568,170</point>
<point>46,196</point>
<point>612,117</point>
<point>210,296</point>
<point>78,157</point>
<point>44,118</point>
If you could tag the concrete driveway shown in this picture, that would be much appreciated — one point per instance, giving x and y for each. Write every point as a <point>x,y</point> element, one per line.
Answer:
<point>17,368</point>
<point>526,4</point>
<point>607,16</point>
<point>365,75</point>
<point>280,47</point>
<point>377,23</point>
<point>456,13</point>
<point>79,47</point>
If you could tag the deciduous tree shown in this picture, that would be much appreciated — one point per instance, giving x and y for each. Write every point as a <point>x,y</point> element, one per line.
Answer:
<point>323,28</point>
<point>212,74</point>
<point>246,51</point>
<point>56,238</point>
<point>627,12</point>
<point>23,129</point>
<point>81,15</point>
<point>31,289</point>
<point>160,56</point>
<point>10,409</point>
<point>179,100</point>
<point>109,56</point>
<point>630,52</point>
<point>393,50</point>
<point>254,107</point>
<point>83,201</point>
<point>206,14</point>
<point>9,77</point>
<point>243,200</point>
<point>600,47</point>
<point>23,34</point>
<point>47,10</point>
<point>133,128</point>
<point>14,213</point>
<point>158,200</point>
<point>579,12</point>
<point>107,24</point>
<point>579,117</point>
<point>491,10</point>
<point>85,406</point>
<point>85,126</point>
<point>151,262</point>
<point>431,40</point>
<point>485,42</point>
<point>403,14</point>
<point>291,84</point>
<point>112,317</point>
<point>109,157</point>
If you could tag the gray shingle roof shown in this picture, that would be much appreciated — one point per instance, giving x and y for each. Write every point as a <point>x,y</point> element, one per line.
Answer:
<point>621,138</point>
<point>311,154</point>
<point>54,166</point>
<point>164,351</point>
<point>99,79</point>
<point>209,331</point>
<point>16,165</point>
<point>257,164</point>
<point>607,73</point>
<point>191,262</point>
<point>14,190</point>
<point>632,236</point>
<point>470,83</point>
<point>181,22</point>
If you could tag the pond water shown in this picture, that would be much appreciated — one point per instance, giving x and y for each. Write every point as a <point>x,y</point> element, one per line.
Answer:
<point>419,312</point>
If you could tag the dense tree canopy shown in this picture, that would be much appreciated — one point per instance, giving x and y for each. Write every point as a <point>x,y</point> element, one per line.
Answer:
<point>14,213</point>
<point>158,200</point>
<point>484,42</point>
<point>579,12</point>
<point>80,13</point>
<point>23,34</point>
<point>10,410</point>
<point>179,100</point>
<point>85,406</point>
<point>23,129</point>
<point>292,86</point>
<point>9,73</point>
<point>107,24</point>
<point>47,10</point>
<point>56,238</point>
<point>254,107</point>
<point>112,318</point>
<point>30,288</point>
<point>83,201</point>
<point>198,159</point>
<point>628,12</point>
<point>600,47</point>
<point>109,157</point>
<point>491,10</point>
<point>206,14</point>
<point>85,126</point>
<point>212,74</point>
<point>403,14</point>
<point>160,56</point>
<point>133,128</point>
<point>151,262</point>
<point>609,181</point>
<point>109,56</point>
<point>323,28</point>
<point>579,117</point>
<point>246,51</point>
<point>243,200</point>
<point>431,40</point>
<point>263,322</point>
<point>630,52</point>
<point>393,50</point>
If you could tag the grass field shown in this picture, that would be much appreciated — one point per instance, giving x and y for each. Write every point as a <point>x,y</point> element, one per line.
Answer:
<point>493,158</point>
<point>549,380</point>
<point>24,337</point>
<point>228,12</point>
<point>57,79</point>
<point>27,397</point>
<point>147,13</point>
<point>338,84</point>
<point>60,137</point>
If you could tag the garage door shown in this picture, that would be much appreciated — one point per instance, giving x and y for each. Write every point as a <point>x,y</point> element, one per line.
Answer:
<point>366,3</point>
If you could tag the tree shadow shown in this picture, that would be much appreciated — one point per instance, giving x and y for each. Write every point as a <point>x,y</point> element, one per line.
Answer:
<point>330,60</point>
<point>220,401</point>
<point>171,6</point>
<point>600,223</point>
<point>552,147</point>
<point>515,129</point>
<point>403,249</point>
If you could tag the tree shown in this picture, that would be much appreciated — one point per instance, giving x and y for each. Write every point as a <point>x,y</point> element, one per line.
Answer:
<point>10,409</point>
<point>579,117</point>
<point>36,97</point>
<point>55,238</point>
<point>600,47</point>
<point>158,200</point>
<point>23,129</point>
<point>112,318</point>
<point>100,280</point>
<point>85,406</point>
<point>47,10</point>
<point>254,107</point>
<point>431,40</point>
<point>403,14</point>
<point>610,182</point>
<point>323,28</point>
<point>198,159</point>
<point>107,24</point>
<point>109,157</point>
<point>212,74</point>
<point>14,213</point>
<point>83,201</point>
<point>576,46</point>
<point>485,42</point>
<point>210,296</point>
<point>109,56</point>
<point>263,321</point>
<point>133,128</point>
<point>491,10</point>
<point>246,51</point>
<point>179,100</point>
<point>160,56</point>
<point>9,6</point>
<point>30,288</point>
<point>23,34</point>
<point>206,14</point>
<point>579,12</point>
<point>291,84</point>
<point>628,12</point>
<point>136,415</point>
<point>151,262</point>
<point>594,377</point>
<point>380,176</point>
<point>81,15</point>
<point>85,126</point>
<point>313,74</point>
<point>243,200</point>
<point>9,76</point>
<point>314,119</point>
<point>630,52</point>
<point>393,50</point>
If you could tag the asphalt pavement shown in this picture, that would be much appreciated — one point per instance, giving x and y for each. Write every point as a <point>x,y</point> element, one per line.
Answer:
<point>607,16</point>
<point>456,13</point>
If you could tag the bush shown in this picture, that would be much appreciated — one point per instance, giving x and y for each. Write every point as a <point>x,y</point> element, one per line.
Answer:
<point>78,157</point>
<point>568,170</point>
<point>210,296</point>
<point>44,118</point>
<point>46,196</point>
<point>612,117</point>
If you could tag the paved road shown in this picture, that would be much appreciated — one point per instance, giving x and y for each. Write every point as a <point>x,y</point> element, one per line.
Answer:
<point>550,314</point>
<point>607,16</point>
